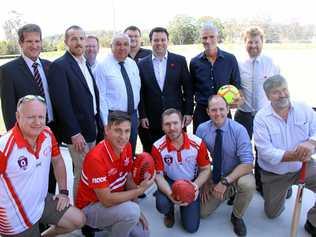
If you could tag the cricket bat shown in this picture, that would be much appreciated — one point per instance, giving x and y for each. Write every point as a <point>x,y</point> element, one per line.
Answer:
<point>298,202</point>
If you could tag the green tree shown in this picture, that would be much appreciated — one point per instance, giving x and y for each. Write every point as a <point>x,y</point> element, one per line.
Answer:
<point>11,26</point>
<point>182,30</point>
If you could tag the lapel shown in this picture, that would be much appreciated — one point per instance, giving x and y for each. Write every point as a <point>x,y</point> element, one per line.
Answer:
<point>45,65</point>
<point>76,69</point>
<point>151,70</point>
<point>169,70</point>
<point>25,70</point>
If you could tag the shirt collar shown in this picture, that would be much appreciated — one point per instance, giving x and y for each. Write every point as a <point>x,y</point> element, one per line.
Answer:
<point>30,62</point>
<point>22,142</point>
<point>185,145</point>
<point>109,149</point>
<point>153,57</point>
<point>271,111</point>
<point>220,54</point>
<point>224,127</point>
<point>80,60</point>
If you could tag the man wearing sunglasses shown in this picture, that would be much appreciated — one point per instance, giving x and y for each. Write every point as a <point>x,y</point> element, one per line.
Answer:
<point>26,152</point>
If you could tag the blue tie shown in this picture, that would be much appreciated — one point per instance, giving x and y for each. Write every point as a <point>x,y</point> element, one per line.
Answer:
<point>129,90</point>
<point>217,161</point>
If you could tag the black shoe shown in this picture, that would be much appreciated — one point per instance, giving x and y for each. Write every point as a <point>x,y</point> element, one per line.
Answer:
<point>169,219</point>
<point>230,201</point>
<point>240,228</point>
<point>310,228</point>
<point>289,193</point>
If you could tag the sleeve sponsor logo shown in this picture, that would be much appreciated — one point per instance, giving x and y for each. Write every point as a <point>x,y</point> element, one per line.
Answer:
<point>98,180</point>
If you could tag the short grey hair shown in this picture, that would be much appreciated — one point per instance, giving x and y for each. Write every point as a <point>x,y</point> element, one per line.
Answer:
<point>120,36</point>
<point>209,26</point>
<point>273,82</point>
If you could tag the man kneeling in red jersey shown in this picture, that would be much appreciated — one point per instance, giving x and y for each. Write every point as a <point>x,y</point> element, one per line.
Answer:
<point>106,189</point>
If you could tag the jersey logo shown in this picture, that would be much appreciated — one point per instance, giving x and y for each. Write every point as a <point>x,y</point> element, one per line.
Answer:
<point>168,159</point>
<point>126,161</point>
<point>98,180</point>
<point>22,162</point>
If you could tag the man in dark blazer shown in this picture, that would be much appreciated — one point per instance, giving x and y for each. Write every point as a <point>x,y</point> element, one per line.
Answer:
<point>17,79</point>
<point>166,83</point>
<point>76,99</point>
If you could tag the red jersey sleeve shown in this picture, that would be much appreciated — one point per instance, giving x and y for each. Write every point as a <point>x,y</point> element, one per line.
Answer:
<point>203,158</point>
<point>159,166</point>
<point>94,172</point>
<point>55,146</point>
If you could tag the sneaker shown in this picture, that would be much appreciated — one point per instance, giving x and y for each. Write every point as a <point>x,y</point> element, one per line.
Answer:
<point>169,220</point>
<point>289,193</point>
<point>240,228</point>
<point>310,228</point>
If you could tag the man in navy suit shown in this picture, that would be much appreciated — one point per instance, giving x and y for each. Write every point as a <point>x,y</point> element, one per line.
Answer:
<point>76,99</point>
<point>166,83</point>
<point>17,79</point>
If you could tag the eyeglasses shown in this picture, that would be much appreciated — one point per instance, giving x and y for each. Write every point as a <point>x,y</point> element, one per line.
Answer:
<point>28,98</point>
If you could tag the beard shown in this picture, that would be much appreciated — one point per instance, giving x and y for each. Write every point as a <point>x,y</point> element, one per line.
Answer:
<point>282,103</point>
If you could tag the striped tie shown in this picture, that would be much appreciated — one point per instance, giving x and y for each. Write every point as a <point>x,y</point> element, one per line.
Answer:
<point>38,80</point>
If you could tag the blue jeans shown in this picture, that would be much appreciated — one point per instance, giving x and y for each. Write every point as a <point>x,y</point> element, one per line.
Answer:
<point>190,215</point>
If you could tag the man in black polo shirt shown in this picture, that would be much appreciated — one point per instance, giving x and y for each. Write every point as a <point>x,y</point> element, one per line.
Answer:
<point>210,70</point>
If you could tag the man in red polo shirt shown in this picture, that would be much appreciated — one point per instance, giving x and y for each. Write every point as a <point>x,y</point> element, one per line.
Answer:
<point>179,156</point>
<point>106,189</point>
<point>26,152</point>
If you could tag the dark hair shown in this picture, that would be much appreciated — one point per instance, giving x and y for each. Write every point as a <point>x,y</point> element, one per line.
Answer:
<point>158,29</point>
<point>170,111</point>
<point>73,27</point>
<point>132,28</point>
<point>28,28</point>
<point>93,37</point>
<point>118,117</point>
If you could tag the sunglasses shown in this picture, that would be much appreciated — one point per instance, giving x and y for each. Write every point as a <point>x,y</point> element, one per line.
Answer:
<point>28,98</point>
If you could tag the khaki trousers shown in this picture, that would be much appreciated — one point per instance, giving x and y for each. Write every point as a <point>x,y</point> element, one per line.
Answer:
<point>244,189</point>
<point>275,187</point>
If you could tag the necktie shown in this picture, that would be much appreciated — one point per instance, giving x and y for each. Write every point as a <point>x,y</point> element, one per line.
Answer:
<point>38,80</point>
<point>129,90</point>
<point>217,161</point>
<point>254,87</point>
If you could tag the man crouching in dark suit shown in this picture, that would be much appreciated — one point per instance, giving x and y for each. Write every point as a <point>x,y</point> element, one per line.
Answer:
<point>166,83</point>
<point>26,75</point>
<point>76,99</point>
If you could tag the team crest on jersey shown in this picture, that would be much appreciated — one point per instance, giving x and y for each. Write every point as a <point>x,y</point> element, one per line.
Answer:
<point>22,162</point>
<point>168,159</point>
<point>126,161</point>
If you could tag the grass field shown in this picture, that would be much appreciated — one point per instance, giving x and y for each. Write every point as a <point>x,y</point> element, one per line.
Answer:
<point>297,63</point>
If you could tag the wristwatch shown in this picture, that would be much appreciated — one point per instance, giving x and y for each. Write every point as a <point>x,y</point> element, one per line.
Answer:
<point>64,191</point>
<point>224,181</point>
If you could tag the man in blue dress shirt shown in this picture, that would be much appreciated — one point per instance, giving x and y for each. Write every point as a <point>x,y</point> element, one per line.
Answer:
<point>232,163</point>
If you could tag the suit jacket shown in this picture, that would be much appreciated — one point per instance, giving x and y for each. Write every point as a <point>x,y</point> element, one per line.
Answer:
<point>73,101</point>
<point>16,81</point>
<point>177,90</point>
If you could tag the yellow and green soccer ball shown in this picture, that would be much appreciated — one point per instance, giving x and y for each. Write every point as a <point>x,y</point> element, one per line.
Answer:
<point>229,93</point>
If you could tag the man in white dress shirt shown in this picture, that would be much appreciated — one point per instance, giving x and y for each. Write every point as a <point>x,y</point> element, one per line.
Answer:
<point>254,70</point>
<point>119,83</point>
<point>285,137</point>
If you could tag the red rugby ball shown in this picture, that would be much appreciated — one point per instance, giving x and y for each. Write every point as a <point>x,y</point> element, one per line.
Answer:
<point>183,190</point>
<point>143,167</point>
